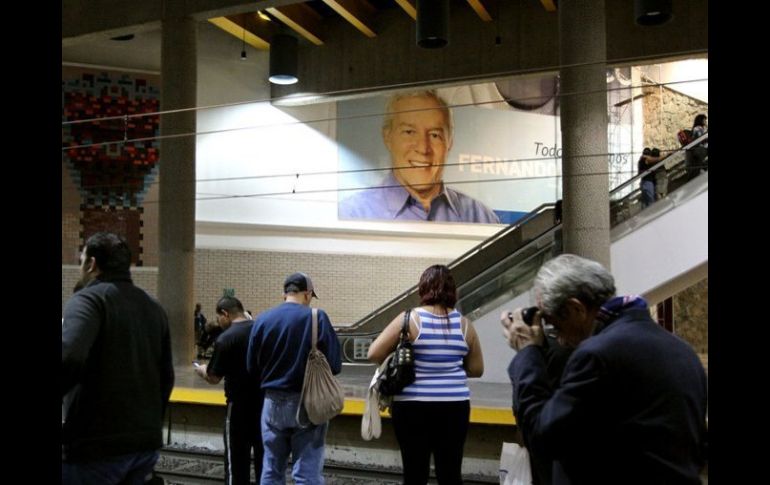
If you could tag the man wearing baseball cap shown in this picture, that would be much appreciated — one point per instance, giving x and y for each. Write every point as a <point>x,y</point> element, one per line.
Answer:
<point>279,344</point>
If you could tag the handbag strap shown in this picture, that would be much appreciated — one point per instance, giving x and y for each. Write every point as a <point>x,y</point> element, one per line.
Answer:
<point>314,331</point>
<point>405,326</point>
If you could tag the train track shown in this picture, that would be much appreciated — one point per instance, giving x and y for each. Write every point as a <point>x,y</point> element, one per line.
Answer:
<point>190,466</point>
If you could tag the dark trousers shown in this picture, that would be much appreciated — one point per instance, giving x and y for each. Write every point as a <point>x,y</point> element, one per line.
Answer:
<point>242,434</point>
<point>437,428</point>
<point>695,161</point>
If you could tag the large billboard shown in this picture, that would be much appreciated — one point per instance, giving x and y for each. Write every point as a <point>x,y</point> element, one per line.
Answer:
<point>459,154</point>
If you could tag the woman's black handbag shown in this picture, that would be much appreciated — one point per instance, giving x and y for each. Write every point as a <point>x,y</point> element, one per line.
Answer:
<point>399,371</point>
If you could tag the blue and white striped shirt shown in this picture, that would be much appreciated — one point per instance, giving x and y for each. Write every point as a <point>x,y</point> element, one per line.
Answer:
<point>438,355</point>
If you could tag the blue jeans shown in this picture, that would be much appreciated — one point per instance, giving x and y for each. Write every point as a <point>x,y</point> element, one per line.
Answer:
<point>131,469</point>
<point>648,192</point>
<point>282,435</point>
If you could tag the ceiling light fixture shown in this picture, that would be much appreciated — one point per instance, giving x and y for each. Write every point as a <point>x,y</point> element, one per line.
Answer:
<point>652,12</point>
<point>432,23</point>
<point>283,59</point>
<point>243,46</point>
<point>263,15</point>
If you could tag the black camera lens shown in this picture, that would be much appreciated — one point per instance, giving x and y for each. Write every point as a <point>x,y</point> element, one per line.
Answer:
<point>528,315</point>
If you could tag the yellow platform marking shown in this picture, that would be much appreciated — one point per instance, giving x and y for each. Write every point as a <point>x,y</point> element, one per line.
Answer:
<point>479,414</point>
<point>198,396</point>
<point>353,406</point>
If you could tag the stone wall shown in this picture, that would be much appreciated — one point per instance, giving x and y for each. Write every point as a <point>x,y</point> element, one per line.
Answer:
<point>691,317</point>
<point>665,113</point>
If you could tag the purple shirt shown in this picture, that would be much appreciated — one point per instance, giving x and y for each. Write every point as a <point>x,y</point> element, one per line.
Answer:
<point>391,201</point>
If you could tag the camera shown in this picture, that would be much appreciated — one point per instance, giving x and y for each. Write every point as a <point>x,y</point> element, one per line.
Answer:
<point>527,314</point>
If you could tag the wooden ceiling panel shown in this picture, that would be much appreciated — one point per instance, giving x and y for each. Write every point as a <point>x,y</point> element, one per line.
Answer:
<point>409,7</point>
<point>358,12</point>
<point>302,19</point>
<point>249,27</point>
<point>483,8</point>
<point>549,5</point>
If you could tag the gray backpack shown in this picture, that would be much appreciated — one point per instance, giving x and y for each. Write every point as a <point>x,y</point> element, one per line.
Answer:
<point>322,396</point>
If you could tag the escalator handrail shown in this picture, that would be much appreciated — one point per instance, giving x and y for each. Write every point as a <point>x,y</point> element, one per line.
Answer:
<point>487,242</point>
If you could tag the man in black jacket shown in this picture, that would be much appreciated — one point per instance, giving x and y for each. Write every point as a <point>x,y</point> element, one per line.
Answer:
<point>631,405</point>
<point>116,373</point>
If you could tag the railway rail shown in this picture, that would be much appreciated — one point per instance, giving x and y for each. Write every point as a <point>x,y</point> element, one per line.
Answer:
<point>195,466</point>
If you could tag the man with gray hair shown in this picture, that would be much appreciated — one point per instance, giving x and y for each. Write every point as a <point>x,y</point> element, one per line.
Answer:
<point>631,404</point>
<point>418,132</point>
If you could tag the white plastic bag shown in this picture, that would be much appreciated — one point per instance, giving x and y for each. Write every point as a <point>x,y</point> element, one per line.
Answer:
<point>371,423</point>
<point>514,465</point>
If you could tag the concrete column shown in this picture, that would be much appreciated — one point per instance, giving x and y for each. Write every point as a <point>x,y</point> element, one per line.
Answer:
<point>176,267</point>
<point>585,186</point>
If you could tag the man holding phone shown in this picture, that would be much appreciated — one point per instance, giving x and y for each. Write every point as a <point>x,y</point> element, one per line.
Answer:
<point>242,431</point>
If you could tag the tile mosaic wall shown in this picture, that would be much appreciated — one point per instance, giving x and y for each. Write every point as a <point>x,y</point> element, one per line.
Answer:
<point>112,159</point>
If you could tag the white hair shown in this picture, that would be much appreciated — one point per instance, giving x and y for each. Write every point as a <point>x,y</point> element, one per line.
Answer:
<point>570,276</point>
<point>390,110</point>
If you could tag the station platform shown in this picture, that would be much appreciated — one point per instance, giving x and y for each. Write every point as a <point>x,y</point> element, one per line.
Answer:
<point>490,402</point>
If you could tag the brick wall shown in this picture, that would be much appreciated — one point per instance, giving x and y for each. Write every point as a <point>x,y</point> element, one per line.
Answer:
<point>349,286</point>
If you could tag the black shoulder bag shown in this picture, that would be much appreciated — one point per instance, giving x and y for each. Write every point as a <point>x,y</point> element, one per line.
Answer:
<point>399,371</point>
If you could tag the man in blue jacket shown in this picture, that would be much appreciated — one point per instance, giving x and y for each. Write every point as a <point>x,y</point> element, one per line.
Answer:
<point>631,405</point>
<point>116,372</point>
<point>279,344</point>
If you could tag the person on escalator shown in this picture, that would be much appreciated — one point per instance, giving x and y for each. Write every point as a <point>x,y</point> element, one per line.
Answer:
<point>648,181</point>
<point>660,173</point>
<point>700,152</point>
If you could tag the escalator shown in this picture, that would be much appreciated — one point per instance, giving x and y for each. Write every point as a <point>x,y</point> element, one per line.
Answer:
<point>503,266</point>
<point>485,273</point>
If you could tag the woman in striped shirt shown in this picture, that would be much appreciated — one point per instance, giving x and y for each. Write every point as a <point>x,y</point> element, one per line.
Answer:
<point>431,415</point>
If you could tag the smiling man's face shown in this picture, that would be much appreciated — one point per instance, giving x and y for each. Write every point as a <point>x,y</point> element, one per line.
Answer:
<point>418,139</point>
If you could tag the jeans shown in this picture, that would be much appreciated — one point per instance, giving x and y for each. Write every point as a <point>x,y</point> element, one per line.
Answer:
<point>648,192</point>
<point>282,435</point>
<point>131,469</point>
